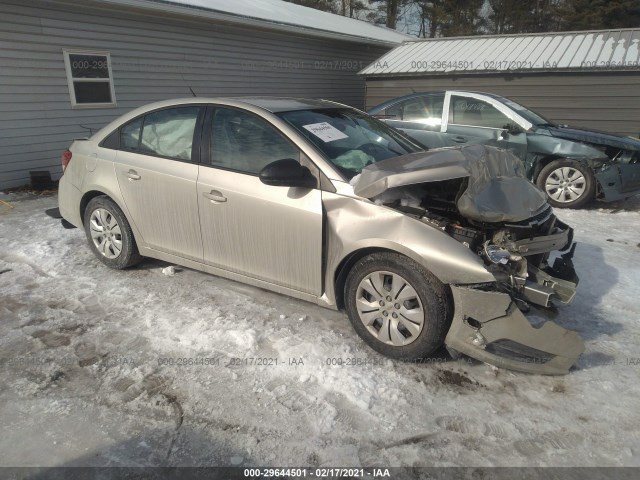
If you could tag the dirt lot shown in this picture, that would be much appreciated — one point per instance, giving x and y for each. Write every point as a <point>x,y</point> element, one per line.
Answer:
<point>137,368</point>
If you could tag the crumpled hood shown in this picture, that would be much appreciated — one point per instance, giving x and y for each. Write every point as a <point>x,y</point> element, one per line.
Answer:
<point>497,191</point>
<point>595,136</point>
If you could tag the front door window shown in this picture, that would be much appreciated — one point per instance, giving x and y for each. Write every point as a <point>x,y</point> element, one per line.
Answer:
<point>475,113</point>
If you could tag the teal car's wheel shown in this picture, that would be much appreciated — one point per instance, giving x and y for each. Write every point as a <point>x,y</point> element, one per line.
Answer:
<point>567,183</point>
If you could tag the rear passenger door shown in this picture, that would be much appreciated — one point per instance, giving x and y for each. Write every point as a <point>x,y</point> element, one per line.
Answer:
<point>157,171</point>
<point>419,117</point>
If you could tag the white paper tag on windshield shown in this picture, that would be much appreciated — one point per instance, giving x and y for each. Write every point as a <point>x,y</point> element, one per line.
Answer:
<point>325,132</point>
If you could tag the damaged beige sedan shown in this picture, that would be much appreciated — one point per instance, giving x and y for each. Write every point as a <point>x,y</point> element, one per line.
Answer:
<point>322,202</point>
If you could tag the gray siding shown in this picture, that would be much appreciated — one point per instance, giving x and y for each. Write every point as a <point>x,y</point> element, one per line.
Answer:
<point>153,58</point>
<point>609,102</point>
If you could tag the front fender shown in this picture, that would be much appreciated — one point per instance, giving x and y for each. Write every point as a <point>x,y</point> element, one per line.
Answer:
<point>545,145</point>
<point>353,224</point>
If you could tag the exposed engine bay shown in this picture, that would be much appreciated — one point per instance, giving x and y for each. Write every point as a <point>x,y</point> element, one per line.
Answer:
<point>513,252</point>
<point>480,197</point>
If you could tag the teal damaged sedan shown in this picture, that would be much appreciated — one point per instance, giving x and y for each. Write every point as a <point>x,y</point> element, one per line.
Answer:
<point>572,165</point>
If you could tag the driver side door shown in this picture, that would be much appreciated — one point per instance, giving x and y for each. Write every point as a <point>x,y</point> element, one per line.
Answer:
<point>474,119</point>
<point>265,232</point>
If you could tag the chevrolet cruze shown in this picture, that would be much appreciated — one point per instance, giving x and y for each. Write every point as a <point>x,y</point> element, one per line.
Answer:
<point>319,201</point>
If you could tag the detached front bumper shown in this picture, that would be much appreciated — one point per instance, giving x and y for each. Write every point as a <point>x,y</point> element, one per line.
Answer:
<point>610,182</point>
<point>489,327</point>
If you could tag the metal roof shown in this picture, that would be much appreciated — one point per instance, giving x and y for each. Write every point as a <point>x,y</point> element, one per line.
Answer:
<point>274,15</point>
<point>598,50</point>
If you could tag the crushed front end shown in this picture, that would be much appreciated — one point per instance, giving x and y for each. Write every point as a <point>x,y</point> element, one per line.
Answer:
<point>480,197</point>
<point>503,323</point>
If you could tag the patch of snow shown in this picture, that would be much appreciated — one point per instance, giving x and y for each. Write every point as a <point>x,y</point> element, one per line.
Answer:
<point>137,368</point>
<point>169,271</point>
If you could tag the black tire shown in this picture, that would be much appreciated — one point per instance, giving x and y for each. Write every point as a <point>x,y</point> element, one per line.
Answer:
<point>589,183</point>
<point>128,255</point>
<point>433,295</point>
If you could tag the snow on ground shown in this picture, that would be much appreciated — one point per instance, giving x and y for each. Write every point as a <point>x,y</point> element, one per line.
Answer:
<point>82,349</point>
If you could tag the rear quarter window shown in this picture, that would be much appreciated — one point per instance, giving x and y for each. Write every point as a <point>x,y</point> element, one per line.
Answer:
<point>130,135</point>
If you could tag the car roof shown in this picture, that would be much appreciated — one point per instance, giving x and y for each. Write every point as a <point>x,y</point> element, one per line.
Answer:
<point>271,104</point>
<point>395,100</point>
<point>286,104</point>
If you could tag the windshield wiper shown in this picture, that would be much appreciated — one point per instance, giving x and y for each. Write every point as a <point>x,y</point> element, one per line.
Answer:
<point>395,151</point>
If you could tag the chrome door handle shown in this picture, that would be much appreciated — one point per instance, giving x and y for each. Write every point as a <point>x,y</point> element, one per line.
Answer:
<point>459,139</point>
<point>215,196</point>
<point>133,175</point>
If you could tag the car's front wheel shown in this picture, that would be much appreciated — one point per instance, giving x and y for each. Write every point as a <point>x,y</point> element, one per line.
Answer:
<point>109,234</point>
<point>396,306</point>
<point>567,183</point>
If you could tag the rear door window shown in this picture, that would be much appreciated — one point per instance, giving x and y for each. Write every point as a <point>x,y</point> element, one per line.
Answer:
<point>394,112</point>
<point>426,109</point>
<point>169,133</point>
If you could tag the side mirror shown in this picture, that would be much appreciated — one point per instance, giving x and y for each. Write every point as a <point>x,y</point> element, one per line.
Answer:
<point>287,173</point>
<point>511,129</point>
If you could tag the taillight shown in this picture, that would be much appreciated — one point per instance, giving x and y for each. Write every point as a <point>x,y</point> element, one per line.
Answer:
<point>66,158</point>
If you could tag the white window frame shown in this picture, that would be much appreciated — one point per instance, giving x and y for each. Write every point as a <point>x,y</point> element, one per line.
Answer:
<point>521,121</point>
<point>71,80</point>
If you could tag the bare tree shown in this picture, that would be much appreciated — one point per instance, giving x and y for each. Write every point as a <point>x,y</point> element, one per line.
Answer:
<point>446,18</point>
<point>514,16</point>
<point>353,8</point>
<point>599,14</point>
<point>324,5</point>
<point>386,11</point>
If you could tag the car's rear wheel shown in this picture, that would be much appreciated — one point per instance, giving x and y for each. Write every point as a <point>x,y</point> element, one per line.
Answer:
<point>396,306</point>
<point>567,183</point>
<point>109,234</point>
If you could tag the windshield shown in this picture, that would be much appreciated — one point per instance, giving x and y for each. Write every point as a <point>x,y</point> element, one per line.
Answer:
<point>349,139</point>
<point>530,115</point>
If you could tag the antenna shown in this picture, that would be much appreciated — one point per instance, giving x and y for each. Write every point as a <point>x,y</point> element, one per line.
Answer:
<point>87,128</point>
<point>188,86</point>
